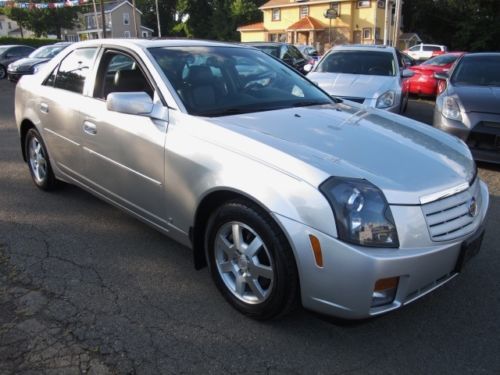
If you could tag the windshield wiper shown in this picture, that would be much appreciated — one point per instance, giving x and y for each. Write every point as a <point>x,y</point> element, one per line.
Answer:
<point>309,103</point>
<point>225,112</point>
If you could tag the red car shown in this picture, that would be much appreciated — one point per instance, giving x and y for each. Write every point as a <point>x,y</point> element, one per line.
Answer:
<point>423,82</point>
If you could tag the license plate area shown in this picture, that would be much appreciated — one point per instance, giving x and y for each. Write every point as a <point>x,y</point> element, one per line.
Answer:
<point>470,248</point>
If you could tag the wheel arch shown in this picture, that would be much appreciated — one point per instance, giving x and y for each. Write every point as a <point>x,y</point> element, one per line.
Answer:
<point>26,125</point>
<point>208,204</point>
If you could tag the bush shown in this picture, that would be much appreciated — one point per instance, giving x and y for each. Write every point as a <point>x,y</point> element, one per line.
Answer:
<point>33,42</point>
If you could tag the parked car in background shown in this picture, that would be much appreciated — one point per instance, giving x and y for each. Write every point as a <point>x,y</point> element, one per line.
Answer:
<point>283,51</point>
<point>286,193</point>
<point>372,75</point>
<point>34,61</point>
<point>469,106</point>
<point>424,82</point>
<point>11,53</point>
<point>422,52</point>
<point>309,52</point>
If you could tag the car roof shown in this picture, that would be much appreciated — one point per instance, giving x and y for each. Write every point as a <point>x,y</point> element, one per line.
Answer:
<point>277,44</point>
<point>364,47</point>
<point>481,54</point>
<point>15,45</point>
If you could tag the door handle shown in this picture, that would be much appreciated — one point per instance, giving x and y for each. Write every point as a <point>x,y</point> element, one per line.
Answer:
<point>44,108</point>
<point>89,128</point>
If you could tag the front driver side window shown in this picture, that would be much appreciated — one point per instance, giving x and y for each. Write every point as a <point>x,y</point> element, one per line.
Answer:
<point>120,73</point>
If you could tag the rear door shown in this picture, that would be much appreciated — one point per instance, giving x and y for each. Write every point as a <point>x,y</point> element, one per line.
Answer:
<point>59,110</point>
<point>124,153</point>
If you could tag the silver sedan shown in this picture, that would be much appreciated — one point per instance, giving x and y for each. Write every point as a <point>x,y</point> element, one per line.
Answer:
<point>372,75</point>
<point>286,194</point>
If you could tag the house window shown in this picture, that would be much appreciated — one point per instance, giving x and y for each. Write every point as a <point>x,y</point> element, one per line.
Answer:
<point>364,4</point>
<point>336,6</point>
<point>276,14</point>
<point>1,25</point>
<point>381,3</point>
<point>127,34</point>
<point>145,34</point>
<point>126,18</point>
<point>304,11</point>
<point>9,25</point>
<point>367,33</point>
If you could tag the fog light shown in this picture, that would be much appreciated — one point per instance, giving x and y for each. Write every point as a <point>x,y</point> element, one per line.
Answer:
<point>384,291</point>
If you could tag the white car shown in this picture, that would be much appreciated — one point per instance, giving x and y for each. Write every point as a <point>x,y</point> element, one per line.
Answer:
<point>426,51</point>
<point>370,75</point>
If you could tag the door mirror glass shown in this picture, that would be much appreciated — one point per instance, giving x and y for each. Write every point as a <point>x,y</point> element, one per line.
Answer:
<point>132,103</point>
<point>407,73</point>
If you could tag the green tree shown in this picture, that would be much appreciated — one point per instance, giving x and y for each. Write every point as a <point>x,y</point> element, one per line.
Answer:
<point>167,15</point>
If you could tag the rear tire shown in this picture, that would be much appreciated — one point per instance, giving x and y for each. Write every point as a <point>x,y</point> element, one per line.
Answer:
<point>251,261</point>
<point>38,161</point>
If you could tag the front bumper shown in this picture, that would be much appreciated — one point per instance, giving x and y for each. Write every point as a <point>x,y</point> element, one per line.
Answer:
<point>480,131</point>
<point>344,286</point>
<point>14,76</point>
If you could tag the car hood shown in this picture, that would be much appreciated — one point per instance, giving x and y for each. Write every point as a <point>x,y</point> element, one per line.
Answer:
<point>478,98</point>
<point>27,63</point>
<point>405,158</point>
<point>353,85</point>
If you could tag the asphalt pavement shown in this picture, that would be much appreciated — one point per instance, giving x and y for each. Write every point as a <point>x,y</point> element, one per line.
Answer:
<point>85,288</point>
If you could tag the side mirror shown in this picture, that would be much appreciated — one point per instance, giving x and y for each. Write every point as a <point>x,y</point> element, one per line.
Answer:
<point>132,103</point>
<point>407,73</point>
<point>443,76</point>
<point>308,68</point>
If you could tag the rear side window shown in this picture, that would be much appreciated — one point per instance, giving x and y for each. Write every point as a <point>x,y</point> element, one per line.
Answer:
<point>74,69</point>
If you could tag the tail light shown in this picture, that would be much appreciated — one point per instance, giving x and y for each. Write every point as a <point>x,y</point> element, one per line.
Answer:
<point>441,86</point>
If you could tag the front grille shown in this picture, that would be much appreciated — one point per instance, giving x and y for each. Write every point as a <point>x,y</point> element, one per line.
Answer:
<point>485,136</point>
<point>449,218</point>
<point>353,99</point>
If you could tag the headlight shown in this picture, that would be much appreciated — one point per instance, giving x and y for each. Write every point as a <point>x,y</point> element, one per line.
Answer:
<point>37,68</point>
<point>361,211</point>
<point>451,110</point>
<point>386,99</point>
<point>12,67</point>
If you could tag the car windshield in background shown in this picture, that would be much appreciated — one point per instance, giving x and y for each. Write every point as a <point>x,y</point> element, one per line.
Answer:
<point>359,62</point>
<point>218,81</point>
<point>270,50</point>
<point>441,60</point>
<point>46,52</point>
<point>478,71</point>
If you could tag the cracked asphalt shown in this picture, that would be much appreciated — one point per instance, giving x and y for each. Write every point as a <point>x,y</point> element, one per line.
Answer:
<point>85,288</point>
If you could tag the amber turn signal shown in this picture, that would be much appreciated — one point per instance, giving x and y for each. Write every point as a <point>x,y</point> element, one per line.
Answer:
<point>316,248</point>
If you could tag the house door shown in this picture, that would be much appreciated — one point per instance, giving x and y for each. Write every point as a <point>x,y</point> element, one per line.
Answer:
<point>356,37</point>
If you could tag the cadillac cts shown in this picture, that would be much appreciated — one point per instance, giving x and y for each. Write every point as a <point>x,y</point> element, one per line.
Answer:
<point>287,194</point>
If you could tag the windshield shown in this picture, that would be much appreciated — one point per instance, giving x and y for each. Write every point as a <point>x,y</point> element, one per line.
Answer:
<point>270,50</point>
<point>359,62</point>
<point>441,60</point>
<point>218,81</point>
<point>477,71</point>
<point>46,52</point>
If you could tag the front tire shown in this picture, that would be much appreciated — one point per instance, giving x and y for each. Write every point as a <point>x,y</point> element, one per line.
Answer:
<point>38,161</point>
<point>251,261</point>
<point>3,72</point>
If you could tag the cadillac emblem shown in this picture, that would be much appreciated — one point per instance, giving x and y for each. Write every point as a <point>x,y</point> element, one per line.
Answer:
<point>473,207</point>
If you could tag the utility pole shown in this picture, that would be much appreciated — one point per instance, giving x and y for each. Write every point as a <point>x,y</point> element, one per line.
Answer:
<point>397,23</point>
<point>386,21</point>
<point>158,19</point>
<point>135,19</point>
<point>96,19</point>
<point>103,20</point>
<point>375,24</point>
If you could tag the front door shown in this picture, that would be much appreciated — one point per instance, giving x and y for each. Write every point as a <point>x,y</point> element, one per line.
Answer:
<point>124,153</point>
<point>356,37</point>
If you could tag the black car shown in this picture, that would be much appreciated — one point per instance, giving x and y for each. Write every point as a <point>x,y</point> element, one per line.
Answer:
<point>11,53</point>
<point>34,61</point>
<point>283,51</point>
